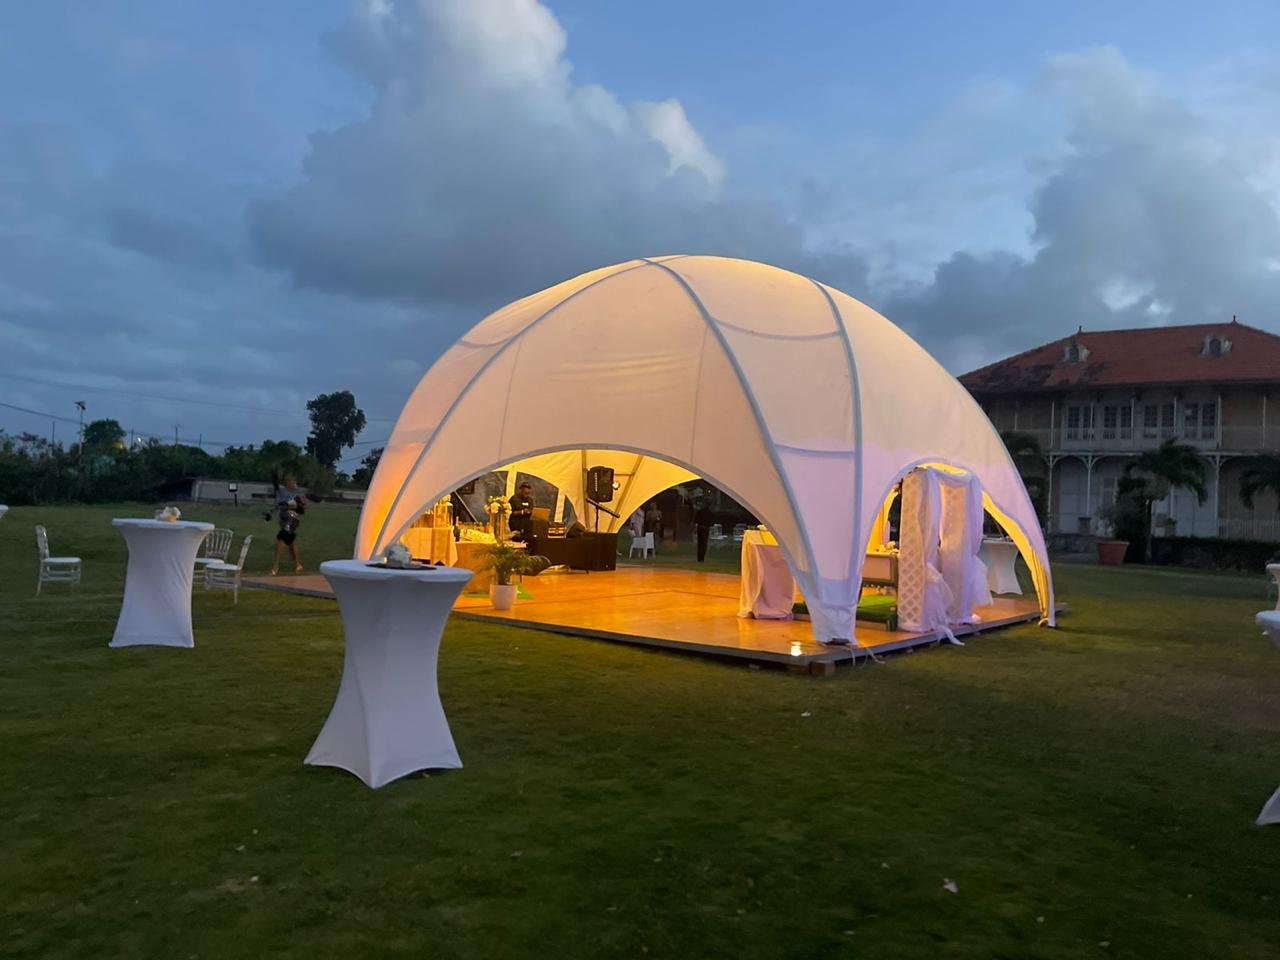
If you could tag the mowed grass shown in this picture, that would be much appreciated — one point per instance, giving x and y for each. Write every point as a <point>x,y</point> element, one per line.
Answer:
<point>1091,791</point>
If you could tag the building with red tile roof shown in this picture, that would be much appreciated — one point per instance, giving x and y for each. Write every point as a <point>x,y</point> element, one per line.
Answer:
<point>1096,398</point>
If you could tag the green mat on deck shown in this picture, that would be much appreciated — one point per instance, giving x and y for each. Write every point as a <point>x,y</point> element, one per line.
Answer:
<point>521,593</point>
<point>875,608</point>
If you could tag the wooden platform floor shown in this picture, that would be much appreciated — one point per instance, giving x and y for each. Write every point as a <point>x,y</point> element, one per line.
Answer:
<point>682,610</point>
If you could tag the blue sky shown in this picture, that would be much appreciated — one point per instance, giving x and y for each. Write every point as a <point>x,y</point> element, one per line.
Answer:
<point>239,204</point>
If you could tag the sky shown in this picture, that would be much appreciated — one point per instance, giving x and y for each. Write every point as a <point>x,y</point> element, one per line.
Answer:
<point>211,212</point>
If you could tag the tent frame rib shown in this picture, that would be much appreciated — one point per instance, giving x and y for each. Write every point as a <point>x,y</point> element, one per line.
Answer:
<point>462,394</point>
<point>811,567</point>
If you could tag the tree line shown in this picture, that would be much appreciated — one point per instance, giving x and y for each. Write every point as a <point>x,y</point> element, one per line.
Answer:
<point>103,466</point>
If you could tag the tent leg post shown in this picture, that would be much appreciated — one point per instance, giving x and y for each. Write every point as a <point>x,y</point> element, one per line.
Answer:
<point>822,668</point>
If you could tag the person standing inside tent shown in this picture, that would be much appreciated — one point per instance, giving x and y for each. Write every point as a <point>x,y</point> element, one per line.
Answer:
<point>702,520</point>
<point>290,505</point>
<point>653,521</point>
<point>521,522</point>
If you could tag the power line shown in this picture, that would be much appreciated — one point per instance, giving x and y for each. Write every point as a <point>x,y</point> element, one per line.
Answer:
<point>132,395</point>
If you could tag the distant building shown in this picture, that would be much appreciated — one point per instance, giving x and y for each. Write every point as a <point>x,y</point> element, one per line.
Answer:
<point>1095,399</point>
<point>205,490</point>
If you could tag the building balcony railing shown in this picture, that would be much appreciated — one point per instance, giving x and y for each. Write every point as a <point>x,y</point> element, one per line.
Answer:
<point>1236,439</point>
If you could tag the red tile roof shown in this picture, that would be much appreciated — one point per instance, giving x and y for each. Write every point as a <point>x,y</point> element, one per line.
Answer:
<point>1144,356</point>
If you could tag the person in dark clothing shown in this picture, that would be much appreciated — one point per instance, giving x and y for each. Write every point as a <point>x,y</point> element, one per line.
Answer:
<point>702,520</point>
<point>521,522</point>
<point>290,504</point>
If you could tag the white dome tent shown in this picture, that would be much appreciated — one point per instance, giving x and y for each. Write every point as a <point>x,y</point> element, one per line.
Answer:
<point>799,401</point>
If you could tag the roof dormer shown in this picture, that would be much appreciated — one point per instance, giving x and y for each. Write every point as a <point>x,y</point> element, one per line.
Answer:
<point>1215,345</point>
<point>1075,352</point>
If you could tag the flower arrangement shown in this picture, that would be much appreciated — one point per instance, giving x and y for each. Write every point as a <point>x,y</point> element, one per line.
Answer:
<point>498,508</point>
<point>171,514</point>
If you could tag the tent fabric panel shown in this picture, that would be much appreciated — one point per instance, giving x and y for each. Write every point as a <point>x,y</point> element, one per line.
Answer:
<point>756,297</point>
<point>619,360</point>
<point>803,388</point>
<point>512,320</point>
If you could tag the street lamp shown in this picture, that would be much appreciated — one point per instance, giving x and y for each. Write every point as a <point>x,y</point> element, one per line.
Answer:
<point>80,452</point>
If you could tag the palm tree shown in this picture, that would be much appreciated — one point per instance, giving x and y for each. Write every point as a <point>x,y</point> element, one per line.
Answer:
<point>1260,474</point>
<point>1028,459</point>
<point>1170,465</point>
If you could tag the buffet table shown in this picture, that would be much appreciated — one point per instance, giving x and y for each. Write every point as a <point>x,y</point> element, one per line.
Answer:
<point>387,720</point>
<point>157,586</point>
<point>432,544</point>
<point>767,590</point>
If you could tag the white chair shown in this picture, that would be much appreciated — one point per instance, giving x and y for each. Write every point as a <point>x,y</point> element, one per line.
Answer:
<point>54,569</point>
<point>739,531</point>
<point>715,536</point>
<point>220,575</point>
<point>216,547</point>
<point>3,509</point>
<point>1269,621</point>
<point>1273,570</point>
<point>643,544</point>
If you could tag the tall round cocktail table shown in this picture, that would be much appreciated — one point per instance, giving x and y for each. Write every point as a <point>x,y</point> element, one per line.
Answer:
<point>387,720</point>
<point>157,587</point>
<point>1000,557</point>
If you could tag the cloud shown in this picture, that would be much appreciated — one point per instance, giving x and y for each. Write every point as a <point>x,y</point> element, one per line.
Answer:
<point>1149,216</point>
<point>483,171</point>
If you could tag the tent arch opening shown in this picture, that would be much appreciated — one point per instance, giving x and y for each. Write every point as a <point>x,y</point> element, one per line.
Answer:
<point>1039,573</point>
<point>527,463</point>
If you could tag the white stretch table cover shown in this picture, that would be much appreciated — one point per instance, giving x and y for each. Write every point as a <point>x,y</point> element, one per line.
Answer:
<point>387,720</point>
<point>1000,556</point>
<point>157,587</point>
<point>767,590</point>
<point>3,509</point>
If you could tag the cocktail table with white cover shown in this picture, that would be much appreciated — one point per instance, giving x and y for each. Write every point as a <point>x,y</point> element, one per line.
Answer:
<point>387,720</point>
<point>3,509</point>
<point>767,590</point>
<point>1269,621</point>
<point>157,587</point>
<point>1000,557</point>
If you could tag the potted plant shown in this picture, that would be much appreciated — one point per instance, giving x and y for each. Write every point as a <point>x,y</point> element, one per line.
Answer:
<point>506,562</point>
<point>1111,550</point>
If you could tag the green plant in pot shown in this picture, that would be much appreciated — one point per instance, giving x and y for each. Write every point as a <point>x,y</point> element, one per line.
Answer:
<point>507,561</point>
<point>1122,522</point>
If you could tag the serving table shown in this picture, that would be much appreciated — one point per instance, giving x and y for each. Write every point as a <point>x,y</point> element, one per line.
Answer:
<point>387,720</point>
<point>767,589</point>
<point>1000,556</point>
<point>157,586</point>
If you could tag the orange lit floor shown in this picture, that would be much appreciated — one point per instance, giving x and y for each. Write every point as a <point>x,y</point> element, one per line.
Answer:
<point>678,609</point>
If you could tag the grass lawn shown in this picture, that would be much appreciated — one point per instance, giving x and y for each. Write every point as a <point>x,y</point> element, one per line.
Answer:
<point>1091,791</point>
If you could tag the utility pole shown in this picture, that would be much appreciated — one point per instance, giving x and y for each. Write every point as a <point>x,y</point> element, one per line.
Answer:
<point>80,451</point>
<point>175,433</point>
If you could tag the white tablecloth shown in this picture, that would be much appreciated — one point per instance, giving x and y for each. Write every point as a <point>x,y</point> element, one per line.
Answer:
<point>1000,557</point>
<point>3,509</point>
<point>767,590</point>
<point>157,588</point>
<point>387,720</point>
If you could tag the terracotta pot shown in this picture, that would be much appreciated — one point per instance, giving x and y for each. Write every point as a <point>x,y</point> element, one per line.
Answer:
<point>503,595</point>
<point>1111,552</point>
